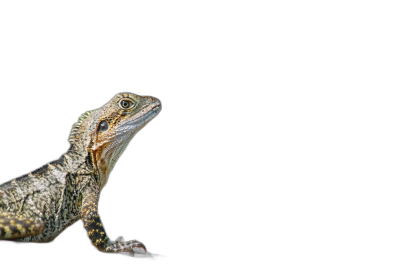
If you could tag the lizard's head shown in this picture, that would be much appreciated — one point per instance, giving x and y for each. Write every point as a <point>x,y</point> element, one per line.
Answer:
<point>104,133</point>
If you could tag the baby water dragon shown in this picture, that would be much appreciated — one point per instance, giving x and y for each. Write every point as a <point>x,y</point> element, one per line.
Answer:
<point>38,206</point>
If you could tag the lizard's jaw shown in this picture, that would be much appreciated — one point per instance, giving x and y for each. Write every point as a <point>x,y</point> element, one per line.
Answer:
<point>142,117</point>
<point>108,153</point>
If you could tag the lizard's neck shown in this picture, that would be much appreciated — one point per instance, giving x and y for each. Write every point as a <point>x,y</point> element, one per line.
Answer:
<point>82,139</point>
<point>81,163</point>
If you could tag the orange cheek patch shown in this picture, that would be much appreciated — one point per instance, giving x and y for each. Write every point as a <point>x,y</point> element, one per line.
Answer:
<point>102,144</point>
<point>101,163</point>
<point>103,167</point>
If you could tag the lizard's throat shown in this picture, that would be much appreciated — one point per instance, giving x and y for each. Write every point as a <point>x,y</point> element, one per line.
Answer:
<point>107,155</point>
<point>107,152</point>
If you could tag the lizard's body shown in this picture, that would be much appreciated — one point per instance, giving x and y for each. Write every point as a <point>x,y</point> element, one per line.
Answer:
<point>51,194</point>
<point>40,205</point>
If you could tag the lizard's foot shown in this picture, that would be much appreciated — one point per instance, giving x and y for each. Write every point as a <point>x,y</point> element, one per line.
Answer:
<point>140,252</point>
<point>119,239</point>
<point>136,247</point>
<point>131,248</point>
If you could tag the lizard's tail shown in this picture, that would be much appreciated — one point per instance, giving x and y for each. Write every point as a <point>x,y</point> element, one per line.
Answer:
<point>15,227</point>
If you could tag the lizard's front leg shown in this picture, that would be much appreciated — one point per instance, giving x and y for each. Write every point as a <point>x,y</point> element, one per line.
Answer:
<point>96,232</point>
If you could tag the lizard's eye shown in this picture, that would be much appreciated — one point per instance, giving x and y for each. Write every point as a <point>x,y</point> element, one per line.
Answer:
<point>126,103</point>
<point>103,126</point>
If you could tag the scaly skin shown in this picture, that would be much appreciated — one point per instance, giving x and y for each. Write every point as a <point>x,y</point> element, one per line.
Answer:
<point>38,206</point>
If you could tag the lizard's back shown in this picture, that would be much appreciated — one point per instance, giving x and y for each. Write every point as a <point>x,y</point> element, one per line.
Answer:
<point>39,196</point>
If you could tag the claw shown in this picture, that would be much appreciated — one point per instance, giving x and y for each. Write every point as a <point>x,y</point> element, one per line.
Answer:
<point>140,245</point>
<point>139,252</point>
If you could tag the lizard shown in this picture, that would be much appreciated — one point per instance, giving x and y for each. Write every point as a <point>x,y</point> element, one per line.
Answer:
<point>38,206</point>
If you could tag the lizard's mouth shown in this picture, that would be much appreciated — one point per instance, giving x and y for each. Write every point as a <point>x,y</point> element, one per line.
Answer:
<point>140,119</point>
